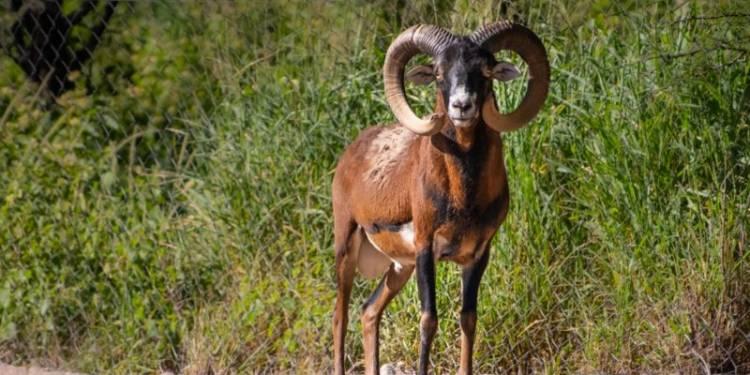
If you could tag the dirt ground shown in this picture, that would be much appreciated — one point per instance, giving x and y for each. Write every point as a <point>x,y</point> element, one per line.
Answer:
<point>13,370</point>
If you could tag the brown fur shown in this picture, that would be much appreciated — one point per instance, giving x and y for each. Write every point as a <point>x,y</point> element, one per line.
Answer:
<point>412,200</point>
<point>398,194</point>
<point>452,186</point>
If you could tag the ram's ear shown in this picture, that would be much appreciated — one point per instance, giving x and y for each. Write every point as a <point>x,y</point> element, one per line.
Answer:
<point>505,71</point>
<point>421,74</point>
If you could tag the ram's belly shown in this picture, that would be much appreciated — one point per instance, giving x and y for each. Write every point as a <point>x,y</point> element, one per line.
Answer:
<point>383,246</point>
<point>397,244</point>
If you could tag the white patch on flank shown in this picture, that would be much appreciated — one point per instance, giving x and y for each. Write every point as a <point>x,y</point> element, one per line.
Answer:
<point>371,262</point>
<point>396,265</point>
<point>407,233</point>
<point>386,151</point>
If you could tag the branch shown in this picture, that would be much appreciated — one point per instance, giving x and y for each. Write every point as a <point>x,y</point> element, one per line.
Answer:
<point>670,56</point>
<point>708,18</point>
<point>725,45</point>
<point>722,45</point>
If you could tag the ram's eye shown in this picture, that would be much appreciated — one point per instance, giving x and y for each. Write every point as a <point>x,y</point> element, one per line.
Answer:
<point>486,72</point>
<point>439,75</point>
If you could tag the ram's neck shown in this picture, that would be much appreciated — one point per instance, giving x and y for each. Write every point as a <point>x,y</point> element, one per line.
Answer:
<point>463,155</point>
<point>465,137</point>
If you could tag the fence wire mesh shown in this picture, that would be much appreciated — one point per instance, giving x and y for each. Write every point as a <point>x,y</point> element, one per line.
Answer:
<point>49,43</point>
<point>99,63</point>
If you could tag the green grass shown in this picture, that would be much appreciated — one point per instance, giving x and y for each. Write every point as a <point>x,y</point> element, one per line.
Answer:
<point>179,217</point>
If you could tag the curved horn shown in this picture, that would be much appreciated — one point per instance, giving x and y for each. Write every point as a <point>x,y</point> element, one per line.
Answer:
<point>507,35</point>
<point>426,39</point>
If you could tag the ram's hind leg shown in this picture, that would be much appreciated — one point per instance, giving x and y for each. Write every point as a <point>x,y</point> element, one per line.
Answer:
<point>372,310</point>
<point>346,264</point>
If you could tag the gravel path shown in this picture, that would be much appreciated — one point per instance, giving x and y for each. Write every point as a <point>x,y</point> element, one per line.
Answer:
<point>388,369</point>
<point>13,370</point>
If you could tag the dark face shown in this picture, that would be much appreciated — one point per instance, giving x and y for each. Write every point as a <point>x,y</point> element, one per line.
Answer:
<point>464,74</point>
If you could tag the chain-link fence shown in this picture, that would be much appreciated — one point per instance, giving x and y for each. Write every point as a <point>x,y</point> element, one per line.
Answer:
<point>99,99</point>
<point>100,61</point>
<point>49,43</point>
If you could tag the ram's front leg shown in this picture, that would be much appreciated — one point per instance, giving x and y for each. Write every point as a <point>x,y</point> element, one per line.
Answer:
<point>470,279</point>
<point>426,286</point>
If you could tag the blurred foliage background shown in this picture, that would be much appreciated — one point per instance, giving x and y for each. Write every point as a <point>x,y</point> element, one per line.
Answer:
<point>172,210</point>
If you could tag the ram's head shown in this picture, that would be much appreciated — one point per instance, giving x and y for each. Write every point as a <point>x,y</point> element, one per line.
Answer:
<point>464,68</point>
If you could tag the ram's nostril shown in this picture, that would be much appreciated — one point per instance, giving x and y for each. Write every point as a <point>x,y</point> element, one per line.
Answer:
<point>461,105</point>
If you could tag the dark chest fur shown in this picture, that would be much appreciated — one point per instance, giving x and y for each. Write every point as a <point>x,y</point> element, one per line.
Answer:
<point>464,196</point>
